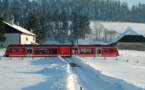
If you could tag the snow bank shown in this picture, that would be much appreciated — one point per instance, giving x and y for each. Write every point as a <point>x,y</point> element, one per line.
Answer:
<point>117,82</point>
<point>128,67</point>
<point>2,51</point>
<point>33,74</point>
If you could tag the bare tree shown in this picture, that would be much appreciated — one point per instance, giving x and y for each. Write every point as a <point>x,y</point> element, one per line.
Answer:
<point>98,30</point>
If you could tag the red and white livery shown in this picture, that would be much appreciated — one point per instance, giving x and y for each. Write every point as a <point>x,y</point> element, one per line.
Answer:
<point>62,50</point>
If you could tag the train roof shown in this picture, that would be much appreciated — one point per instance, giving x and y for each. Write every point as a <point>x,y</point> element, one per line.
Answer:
<point>95,45</point>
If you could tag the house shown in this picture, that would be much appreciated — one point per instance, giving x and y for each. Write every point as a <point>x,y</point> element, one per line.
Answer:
<point>130,40</point>
<point>15,34</point>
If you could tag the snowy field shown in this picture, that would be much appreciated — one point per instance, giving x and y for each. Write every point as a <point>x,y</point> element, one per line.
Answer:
<point>129,66</point>
<point>127,72</point>
<point>33,74</point>
<point>122,26</point>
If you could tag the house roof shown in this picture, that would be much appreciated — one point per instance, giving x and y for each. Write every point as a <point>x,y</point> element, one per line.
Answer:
<point>128,33</point>
<point>20,29</point>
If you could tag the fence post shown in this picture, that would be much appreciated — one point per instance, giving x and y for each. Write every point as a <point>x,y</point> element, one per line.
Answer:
<point>80,88</point>
<point>127,60</point>
<point>116,58</point>
<point>104,58</point>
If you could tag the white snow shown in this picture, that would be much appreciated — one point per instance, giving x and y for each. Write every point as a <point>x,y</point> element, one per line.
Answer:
<point>19,28</point>
<point>127,32</point>
<point>132,71</point>
<point>33,74</point>
<point>54,73</point>
<point>122,26</point>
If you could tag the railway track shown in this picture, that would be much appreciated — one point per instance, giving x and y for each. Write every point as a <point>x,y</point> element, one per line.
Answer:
<point>87,79</point>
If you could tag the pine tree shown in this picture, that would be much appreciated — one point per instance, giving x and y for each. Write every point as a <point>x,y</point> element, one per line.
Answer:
<point>84,26</point>
<point>74,27</point>
<point>2,30</point>
<point>33,23</point>
<point>64,23</point>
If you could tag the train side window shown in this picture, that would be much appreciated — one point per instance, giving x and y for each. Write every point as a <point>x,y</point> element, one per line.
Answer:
<point>82,51</point>
<point>74,51</point>
<point>92,51</point>
<point>79,51</point>
<point>15,50</point>
<point>54,51</point>
<point>22,50</point>
<point>110,50</point>
<point>9,50</point>
<point>116,50</point>
<point>48,51</point>
<point>36,51</point>
<point>42,51</point>
<point>105,50</point>
<point>85,51</point>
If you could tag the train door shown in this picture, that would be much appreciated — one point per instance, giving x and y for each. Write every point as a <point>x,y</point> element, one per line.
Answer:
<point>98,52</point>
<point>29,52</point>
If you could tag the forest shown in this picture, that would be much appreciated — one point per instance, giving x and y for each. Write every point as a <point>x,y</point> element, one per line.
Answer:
<point>62,19</point>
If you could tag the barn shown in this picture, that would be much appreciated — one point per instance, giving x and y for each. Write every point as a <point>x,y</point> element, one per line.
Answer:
<point>15,34</point>
<point>130,40</point>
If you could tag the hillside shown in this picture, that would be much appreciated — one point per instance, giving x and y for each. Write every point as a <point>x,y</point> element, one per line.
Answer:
<point>123,26</point>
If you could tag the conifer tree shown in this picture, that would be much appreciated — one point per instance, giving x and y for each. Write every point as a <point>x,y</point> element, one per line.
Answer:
<point>33,23</point>
<point>2,30</point>
<point>84,26</point>
<point>64,23</point>
<point>74,27</point>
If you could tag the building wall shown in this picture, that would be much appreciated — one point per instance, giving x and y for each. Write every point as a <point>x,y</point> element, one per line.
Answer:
<point>27,39</point>
<point>131,45</point>
<point>11,38</point>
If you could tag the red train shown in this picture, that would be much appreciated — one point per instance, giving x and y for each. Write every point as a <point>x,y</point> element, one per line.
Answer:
<point>62,50</point>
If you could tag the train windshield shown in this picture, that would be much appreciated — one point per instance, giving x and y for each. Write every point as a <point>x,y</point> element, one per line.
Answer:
<point>116,50</point>
<point>9,50</point>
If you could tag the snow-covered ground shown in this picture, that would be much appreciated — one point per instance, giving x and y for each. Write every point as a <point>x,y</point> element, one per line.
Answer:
<point>122,26</point>
<point>54,73</point>
<point>33,74</point>
<point>129,66</point>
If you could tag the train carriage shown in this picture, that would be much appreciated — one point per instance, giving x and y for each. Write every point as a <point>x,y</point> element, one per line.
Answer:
<point>62,50</point>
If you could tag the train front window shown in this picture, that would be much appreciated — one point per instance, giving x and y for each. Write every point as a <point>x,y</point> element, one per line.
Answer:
<point>9,50</point>
<point>48,51</point>
<point>22,50</point>
<point>116,50</point>
<point>54,51</point>
<point>15,50</point>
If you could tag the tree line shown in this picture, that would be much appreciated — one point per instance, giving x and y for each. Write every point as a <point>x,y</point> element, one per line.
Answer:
<point>104,10</point>
<point>62,19</point>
